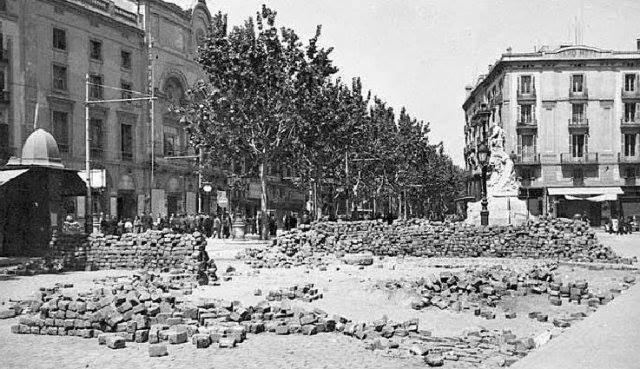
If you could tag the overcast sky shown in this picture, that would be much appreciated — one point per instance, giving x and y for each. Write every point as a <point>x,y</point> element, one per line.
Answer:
<point>421,53</point>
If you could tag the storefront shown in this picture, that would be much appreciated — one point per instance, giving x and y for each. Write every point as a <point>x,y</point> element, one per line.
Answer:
<point>598,204</point>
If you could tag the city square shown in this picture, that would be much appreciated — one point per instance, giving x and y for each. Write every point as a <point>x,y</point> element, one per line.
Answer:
<point>191,183</point>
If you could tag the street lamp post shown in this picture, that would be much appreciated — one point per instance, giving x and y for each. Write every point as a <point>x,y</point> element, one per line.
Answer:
<point>483,159</point>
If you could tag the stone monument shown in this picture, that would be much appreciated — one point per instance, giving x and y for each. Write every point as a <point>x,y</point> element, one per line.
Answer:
<point>502,187</point>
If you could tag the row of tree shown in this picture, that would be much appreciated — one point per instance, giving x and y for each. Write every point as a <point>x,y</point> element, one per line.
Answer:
<point>271,99</point>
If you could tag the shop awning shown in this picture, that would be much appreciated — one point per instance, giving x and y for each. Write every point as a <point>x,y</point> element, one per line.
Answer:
<point>594,194</point>
<point>585,191</point>
<point>8,175</point>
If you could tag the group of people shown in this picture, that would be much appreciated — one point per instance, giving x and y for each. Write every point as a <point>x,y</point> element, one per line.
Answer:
<point>621,226</point>
<point>217,225</point>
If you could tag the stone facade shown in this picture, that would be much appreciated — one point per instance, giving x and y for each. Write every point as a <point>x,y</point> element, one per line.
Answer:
<point>134,49</point>
<point>570,126</point>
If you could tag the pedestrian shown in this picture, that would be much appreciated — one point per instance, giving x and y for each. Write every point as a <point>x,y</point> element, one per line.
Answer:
<point>225,226</point>
<point>217,226</point>
<point>207,225</point>
<point>120,227</point>
<point>104,224</point>
<point>128,226</point>
<point>137,225</point>
<point>147,221</point>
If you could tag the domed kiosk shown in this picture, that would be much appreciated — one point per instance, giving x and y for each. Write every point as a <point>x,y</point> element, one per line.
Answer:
<point>32,190</point>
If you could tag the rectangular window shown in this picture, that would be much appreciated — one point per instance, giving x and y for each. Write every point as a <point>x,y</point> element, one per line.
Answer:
<point>577,113</point>
<point>525,85</point>
<point>59,77</point>
<point>526,113</point>
<point>577,83</point>
<point>3,5</point>
<point>95,49</point>
<point>629,112</point>
<point>95,87</point>
<point>59,39</point>
<point>60,121</point>
<point>127,92</point>
<point>630,144</point>
<point>2,80</point>
<point>126,141</point>
<point>630,172</point>
<point>629,82</point>
<point>125,59</point>
<point>97,138</point>
<point>577,146</point>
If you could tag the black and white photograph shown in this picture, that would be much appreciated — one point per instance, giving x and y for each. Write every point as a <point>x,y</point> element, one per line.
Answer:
<point>319,184</point>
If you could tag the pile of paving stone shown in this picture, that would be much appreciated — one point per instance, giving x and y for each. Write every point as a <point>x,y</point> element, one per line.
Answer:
<point>146,308</point>
<point>547,238</point>
<point>151,250</point>
<point>306,293</point>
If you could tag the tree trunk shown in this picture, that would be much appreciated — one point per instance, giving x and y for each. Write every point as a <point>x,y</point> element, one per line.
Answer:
<point>263,204</point>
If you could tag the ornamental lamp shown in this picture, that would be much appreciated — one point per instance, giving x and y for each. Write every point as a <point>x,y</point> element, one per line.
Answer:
<point>483,154</point>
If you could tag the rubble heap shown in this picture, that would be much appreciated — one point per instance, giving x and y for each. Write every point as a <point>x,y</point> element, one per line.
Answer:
<point>548,238</point>
<point>472,288</point>
<point>150,308</point>
<point>306,293</point>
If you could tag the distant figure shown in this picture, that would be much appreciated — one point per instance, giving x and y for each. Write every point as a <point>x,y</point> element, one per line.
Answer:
<point>128,226</point>
<point>137,225</point>
<point>217,226</point>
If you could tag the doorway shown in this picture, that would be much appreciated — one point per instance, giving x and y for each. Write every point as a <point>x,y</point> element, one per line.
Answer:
<point>127,205</point>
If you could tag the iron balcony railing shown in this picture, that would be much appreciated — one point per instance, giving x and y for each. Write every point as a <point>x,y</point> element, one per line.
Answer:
<point>578,121</point>
<point>579,95</point>
<point>529,158</point>
<point>628,159</point>
<point>630,94</point>
<point>579,158</point>
<point>527,95</point>
<point>629,122</point>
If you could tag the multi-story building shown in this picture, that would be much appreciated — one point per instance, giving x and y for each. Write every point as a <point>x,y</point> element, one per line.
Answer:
<point>571,119</point>
<point>63,41</point>
<point>128,49</point>
<point>11,91</point>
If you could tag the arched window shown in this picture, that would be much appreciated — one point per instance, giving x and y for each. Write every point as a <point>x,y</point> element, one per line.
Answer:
<point>173,91</point>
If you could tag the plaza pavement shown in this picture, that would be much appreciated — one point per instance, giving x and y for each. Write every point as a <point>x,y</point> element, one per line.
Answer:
<point>609,338</point>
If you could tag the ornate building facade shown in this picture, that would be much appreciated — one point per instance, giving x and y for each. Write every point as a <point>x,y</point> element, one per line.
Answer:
<point>140,156</point>
<point>570,118</point>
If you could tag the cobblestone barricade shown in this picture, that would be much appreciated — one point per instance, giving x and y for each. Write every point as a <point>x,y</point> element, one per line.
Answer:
<point>557,239</point>
<point>151,250</point>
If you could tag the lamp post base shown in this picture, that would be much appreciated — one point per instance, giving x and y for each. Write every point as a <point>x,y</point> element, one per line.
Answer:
<point>484,213</point>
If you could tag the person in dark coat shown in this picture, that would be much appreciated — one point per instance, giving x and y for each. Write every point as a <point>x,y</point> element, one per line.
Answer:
<point>207,225</point>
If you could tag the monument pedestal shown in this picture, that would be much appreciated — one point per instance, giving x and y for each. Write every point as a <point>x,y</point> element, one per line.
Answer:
<point>503,210</point>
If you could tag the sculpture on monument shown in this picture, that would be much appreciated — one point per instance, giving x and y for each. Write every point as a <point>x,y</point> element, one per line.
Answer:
<point>502,179</point>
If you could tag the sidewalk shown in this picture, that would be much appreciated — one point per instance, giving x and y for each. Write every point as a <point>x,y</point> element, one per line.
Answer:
<point>609,338</point>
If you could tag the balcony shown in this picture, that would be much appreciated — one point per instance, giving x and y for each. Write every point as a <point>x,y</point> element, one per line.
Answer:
<point>5,97</point>
<point>586,158</point>
<point>578,123</point>
<point>630,124</point>
<point>527,159</point>
<point>125,14</point>
<point>579,95</point>
<point>628,159</point>
<point>530,124</point>
<point>98,4</point>
<point>630,94</point>
<point>527,96</point>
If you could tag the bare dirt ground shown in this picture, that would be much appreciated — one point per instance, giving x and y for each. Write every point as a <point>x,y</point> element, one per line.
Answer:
<point>347,290</point>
